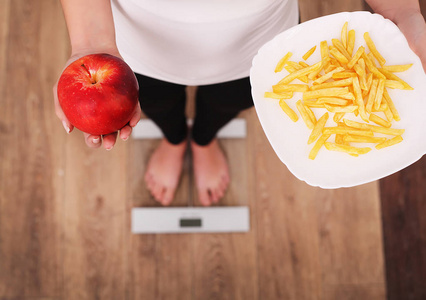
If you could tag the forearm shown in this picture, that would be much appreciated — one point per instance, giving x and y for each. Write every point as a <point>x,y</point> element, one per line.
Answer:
<point>90,25</point>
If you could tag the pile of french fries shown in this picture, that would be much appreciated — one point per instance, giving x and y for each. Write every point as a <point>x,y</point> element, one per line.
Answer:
<point>343,82</point>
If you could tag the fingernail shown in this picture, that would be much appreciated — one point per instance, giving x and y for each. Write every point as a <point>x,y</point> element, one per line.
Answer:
<point>67,129</point>
<point>126,138</point>
<point>108,149</point>
<point>95,141</point>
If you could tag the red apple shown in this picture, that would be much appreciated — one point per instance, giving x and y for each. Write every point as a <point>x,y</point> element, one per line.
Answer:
<point>98,93</point>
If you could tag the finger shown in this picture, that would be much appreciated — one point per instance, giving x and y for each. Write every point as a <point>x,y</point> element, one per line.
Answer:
<point>60,113</point>
<point>136,116</point>
<point>92,141</point>
<point>109,140</point>
<point>125,132</point>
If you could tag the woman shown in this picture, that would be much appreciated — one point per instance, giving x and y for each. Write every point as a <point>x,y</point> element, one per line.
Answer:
<point>172,44</point>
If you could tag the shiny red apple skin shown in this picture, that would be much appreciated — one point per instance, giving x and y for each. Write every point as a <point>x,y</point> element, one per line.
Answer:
<point>98,93</point>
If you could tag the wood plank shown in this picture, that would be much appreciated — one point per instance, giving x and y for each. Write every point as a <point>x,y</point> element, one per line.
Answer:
<point>351,237</point>
<point>403,200</point>
<point>4,40</point>
<point>287,229</point>
<point>29,185</point>
<point>225,265</point>
<point>349,292</point>
<point>94,222</point>
<point>159,265</point>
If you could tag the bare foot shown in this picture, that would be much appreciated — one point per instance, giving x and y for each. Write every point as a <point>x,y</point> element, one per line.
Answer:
<point>211,172</point>
<point>164,169</point>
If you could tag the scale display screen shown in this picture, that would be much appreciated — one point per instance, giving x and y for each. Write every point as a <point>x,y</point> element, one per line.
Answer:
<point>190,223</point>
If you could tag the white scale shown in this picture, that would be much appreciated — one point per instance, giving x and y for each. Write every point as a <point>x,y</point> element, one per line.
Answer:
<point>153,220</point>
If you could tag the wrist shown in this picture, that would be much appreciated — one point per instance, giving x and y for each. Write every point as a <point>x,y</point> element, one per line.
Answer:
<point>85,49</point>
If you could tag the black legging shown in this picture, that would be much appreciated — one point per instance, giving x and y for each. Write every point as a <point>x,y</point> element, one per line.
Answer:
<point>216,105</point>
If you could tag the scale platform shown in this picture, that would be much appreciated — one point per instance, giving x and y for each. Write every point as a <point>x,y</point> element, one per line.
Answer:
<point>154,220</point>
<point>146,129</point>
<point>190,219</point>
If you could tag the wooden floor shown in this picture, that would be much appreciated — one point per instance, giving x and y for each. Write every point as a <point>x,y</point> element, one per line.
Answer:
<point>64,208</point>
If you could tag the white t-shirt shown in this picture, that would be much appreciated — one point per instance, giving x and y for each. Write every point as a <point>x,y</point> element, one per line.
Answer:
<point>197,42</point>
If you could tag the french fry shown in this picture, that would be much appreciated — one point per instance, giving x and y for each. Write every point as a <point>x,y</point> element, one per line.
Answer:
<point>388,114</point>
<point>355,58</point>
<point>370,66</point>
<point>279,88</point>
<point>382,107</point>
<point>363,139</point>
<point>391,76</point>
<point>394,84</point>
<point>327,76</point>
<point>295,65</point>
<point>305,71</point>
<point>344,35</point>
<point>338,116</point>
<point>397,68</point>
<point>342,49</point>
<point>283,95</point>
<point>373,128</point>
<point>282,62</point>
<point>311,114</point>
<point>373,49</point>
<point>346,148</point>
<point>292,115</point>
<point>347,96</point>
<point>306,118</point>
<point>351,41</point>
<point>341,109</point>
<point>309,53</point>
<point>343,75</point>
<point>372,95</point>
<point>344,130</point>
<point>391,105</point>
<point>379,121</point>
<point>358,99</point>
<point>333,101</point>
<point>320,142</point>
<point>313,104</point>
<point>361,76</point>
<point>303,64</point>
<point>390,142</point>
<point>339,139</point>
<point>379,94</point>
<point>337,83</point>
<point>330,92</point>
<point>366,92</point>
<point>338,55</point>
<point>317,131</point>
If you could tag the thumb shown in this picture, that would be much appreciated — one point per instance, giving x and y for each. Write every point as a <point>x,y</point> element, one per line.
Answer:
<point>60,113</point>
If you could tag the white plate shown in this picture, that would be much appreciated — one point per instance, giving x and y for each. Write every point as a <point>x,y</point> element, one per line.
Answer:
<point>333,169</point>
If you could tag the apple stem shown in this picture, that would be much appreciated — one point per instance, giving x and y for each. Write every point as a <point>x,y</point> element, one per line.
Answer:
<point>90,75</point>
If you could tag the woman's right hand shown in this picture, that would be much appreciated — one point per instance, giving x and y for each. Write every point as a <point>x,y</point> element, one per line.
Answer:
<point>95,141</point>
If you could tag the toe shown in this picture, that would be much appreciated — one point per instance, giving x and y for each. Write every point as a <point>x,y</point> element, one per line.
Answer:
<point>168,196</point>
<point>214,196</point>
<point>220,192</point>
<point>203,197</point>
<point>157,192</point>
